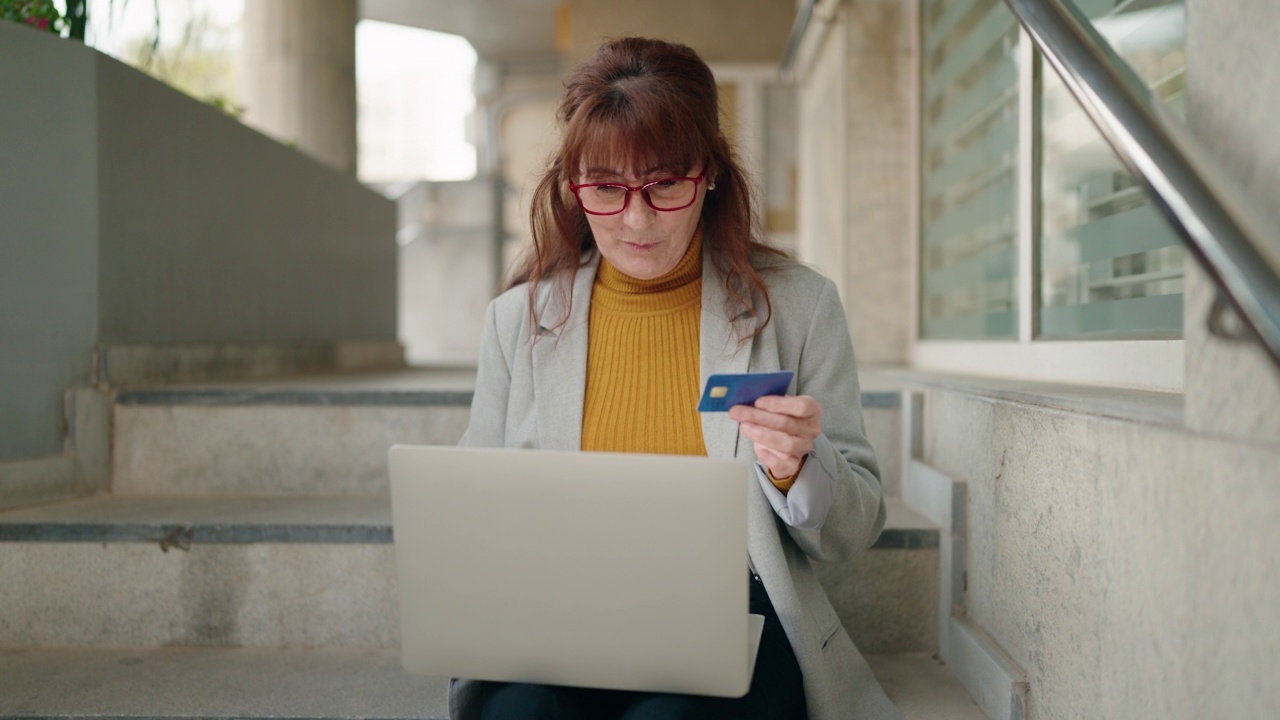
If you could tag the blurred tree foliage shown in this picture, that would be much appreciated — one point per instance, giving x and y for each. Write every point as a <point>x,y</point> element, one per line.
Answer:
<point>200,63</point>
<point>38,14</point>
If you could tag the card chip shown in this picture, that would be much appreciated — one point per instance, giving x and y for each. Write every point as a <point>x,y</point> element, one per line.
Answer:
<point>719,391</point>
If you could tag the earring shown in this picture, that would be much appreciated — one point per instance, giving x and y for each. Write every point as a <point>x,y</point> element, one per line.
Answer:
<point>711,186</point>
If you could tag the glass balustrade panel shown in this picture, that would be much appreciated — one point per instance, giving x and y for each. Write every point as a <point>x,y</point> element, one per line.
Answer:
<point>1110,266</point>
<point>969,143</point>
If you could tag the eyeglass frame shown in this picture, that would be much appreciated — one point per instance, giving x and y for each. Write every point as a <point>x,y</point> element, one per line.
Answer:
<point>626,200</point>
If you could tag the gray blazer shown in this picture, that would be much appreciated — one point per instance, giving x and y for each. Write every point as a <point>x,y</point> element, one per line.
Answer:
<point>530,395</point>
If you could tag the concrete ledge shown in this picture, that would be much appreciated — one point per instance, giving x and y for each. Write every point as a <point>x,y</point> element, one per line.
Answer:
<point>284,396</point>
<point>133,364</point>
<point>1141,406</point>
<point>996,683</point>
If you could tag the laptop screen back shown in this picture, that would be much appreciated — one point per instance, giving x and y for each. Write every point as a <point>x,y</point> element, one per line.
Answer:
<point>602,570</point>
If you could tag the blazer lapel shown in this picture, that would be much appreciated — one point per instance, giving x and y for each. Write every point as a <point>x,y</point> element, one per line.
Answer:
<point>560,362</point>
<point>720,352</point>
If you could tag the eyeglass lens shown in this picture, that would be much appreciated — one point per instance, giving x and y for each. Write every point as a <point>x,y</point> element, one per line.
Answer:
<point>669,194</point>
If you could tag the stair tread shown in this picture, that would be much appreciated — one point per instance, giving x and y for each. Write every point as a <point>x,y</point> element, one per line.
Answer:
<point>150,518</point>
<point>421,386</point>
<point>923,688</point>
<point>213,682</point>
<point>416,386</point>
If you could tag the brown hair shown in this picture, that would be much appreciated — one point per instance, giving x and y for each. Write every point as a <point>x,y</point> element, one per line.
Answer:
<point>643,103</point>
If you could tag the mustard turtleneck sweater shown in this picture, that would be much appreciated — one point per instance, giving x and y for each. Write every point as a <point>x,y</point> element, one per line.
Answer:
<point>642,360</point>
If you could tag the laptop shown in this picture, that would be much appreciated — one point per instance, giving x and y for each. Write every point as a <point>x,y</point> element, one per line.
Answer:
<point>600,570</point>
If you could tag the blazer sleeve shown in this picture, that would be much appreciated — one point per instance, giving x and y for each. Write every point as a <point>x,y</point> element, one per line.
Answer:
<point>487,424</point>
<point>828,372</point>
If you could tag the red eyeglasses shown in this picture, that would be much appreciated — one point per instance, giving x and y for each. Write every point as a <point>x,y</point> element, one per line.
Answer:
<point>665,195</point>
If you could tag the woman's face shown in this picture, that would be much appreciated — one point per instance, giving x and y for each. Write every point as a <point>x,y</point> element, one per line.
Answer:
<point>640,241</point>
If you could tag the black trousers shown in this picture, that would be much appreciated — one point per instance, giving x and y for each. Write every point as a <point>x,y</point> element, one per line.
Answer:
<point>777,690</point>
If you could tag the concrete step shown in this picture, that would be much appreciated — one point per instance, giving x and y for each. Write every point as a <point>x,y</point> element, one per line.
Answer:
<point>140,571</point>
<point>306,436</point>
<point>358,683</point>
<point>323,435</point>
<point>131,571</point>
<point>214,683</point>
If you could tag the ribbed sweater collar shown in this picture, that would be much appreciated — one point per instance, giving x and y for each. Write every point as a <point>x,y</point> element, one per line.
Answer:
<point>618,292</point>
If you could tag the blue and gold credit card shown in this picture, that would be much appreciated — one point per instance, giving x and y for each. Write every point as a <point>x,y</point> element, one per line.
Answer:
<point>724,391</point>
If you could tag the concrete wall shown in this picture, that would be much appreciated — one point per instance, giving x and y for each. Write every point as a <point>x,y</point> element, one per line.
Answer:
<point>48,235</point>
<point>1122,555</point>
<point>133,216</point>
<point>1129,567</point>
<point>1130,570</point>
<point>213,233</point>
<point>1233,100</point>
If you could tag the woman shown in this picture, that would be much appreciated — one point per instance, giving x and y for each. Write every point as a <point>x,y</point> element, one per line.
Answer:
<point>646,276</point>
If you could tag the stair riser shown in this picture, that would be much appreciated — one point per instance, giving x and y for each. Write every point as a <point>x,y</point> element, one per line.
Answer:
<point>309,449</point>
<point>312,595</point>
<point>887,599</point>
<point>135,595</point>
<point>267,449</point>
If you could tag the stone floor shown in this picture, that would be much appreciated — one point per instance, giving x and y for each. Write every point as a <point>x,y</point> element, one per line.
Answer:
<point>259,683</point>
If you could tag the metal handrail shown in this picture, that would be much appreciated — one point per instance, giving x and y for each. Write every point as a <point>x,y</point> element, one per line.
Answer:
<point>796,36</point>
<point>1209,211</point>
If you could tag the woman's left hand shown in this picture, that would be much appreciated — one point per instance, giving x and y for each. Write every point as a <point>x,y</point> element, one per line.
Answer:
<point>782,428</point>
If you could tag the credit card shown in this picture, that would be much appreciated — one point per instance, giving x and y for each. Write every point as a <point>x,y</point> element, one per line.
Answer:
<point>724,391</point>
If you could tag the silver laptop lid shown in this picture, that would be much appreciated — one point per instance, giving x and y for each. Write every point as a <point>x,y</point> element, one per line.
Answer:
<point>604,570</point>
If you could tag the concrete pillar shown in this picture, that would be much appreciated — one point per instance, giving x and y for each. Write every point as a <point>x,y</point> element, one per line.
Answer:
<point>299,76</point>
<point>856,88</point>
